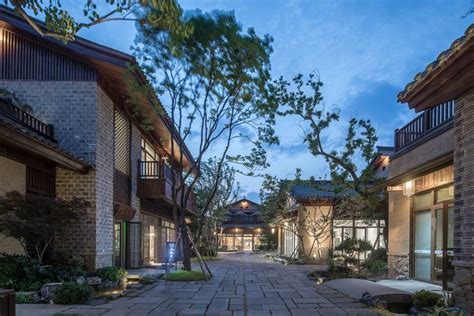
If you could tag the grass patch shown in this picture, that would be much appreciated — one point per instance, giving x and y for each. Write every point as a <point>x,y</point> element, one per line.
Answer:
<point>183,275</point>
<point>206,258</point>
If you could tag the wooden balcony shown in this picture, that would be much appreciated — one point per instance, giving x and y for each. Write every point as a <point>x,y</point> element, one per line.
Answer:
<point>155,181</point>
<point>430,123</point>
<point>27,120</point>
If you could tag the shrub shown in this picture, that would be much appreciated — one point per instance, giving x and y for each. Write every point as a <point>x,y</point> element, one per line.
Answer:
<point>72,293</point>
<point>19,272</point>
<point>147,279</point>
<point>426,298</point>
<point>378,254</point>
<point>376,266</point>
<point>111,273</point>
<point>23,299</point>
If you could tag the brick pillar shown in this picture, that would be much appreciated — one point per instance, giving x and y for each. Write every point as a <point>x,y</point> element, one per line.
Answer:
<point>464,203</point>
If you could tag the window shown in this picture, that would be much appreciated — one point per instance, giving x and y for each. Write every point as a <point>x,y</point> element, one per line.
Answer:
<point>148,152</point>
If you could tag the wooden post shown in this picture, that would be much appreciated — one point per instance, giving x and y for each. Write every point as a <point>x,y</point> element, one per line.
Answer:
<point>7,302</point>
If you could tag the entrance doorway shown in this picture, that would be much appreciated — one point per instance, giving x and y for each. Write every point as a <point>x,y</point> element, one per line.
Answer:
<point>248,243</point>
<point>433,236</point>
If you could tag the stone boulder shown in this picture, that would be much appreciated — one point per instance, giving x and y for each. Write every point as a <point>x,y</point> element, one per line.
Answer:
<point>93,280</point>
<point>48,289</point>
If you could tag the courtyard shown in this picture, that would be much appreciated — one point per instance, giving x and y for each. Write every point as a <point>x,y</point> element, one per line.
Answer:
<point>243,284</point>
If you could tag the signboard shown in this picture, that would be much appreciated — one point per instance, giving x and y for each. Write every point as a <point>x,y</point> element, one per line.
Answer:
<point>170,251</point>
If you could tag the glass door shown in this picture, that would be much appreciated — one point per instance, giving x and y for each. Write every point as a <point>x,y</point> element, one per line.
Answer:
<point>422,251</point>
<point>444,252</point>
<point>433,236</point>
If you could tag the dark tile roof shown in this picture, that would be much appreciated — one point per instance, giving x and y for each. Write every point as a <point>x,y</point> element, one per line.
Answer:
<point>44,140</point>
<point>440,62</point>
<point>321,189</point>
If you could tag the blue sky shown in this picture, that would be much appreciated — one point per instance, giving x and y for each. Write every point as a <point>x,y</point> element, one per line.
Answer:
<point>365,52</point>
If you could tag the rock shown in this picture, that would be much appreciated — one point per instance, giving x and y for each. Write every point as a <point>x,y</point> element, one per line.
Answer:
<point>80,280</point>
<point>94,280</point>
<point>402,277</point>
<point>36,298</point>
<point>47,290</point>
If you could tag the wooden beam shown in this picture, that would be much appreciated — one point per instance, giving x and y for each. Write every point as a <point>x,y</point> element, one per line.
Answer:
<point>34,146</point>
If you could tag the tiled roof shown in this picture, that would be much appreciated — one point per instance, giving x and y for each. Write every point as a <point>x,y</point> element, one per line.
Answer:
<point>321,189</point>
<point>439,63</point>
<point>32,134</point>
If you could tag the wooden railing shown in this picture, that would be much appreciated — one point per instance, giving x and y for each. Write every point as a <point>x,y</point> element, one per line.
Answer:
<point>156,180</point>
<point>20,116</point>
<point>424,124</point>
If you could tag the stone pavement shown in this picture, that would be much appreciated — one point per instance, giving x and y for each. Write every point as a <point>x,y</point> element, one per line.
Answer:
<point>243,284</point>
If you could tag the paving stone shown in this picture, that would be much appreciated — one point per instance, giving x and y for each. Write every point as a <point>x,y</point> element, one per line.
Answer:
<point>242,284</point>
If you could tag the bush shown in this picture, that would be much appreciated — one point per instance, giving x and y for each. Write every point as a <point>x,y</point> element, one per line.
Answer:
<point>19,272</point>
<point>23,299</point>
<point>379,254</point>
<point>72,293</point>
<point>111,273</point>
<point>376,266</point>
<point>426,298</point>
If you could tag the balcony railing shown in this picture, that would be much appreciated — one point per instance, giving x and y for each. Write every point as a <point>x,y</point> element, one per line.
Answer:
<point>29,121</point>
<point>424,124</point>
<point>155,181</point>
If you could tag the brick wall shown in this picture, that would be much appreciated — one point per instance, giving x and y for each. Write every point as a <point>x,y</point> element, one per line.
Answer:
<point>464,202</point>
<point>82,115</point>
<point>69,105</point>
<point>104,179</point>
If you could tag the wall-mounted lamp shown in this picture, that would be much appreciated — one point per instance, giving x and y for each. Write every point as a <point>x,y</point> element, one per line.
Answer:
<point>273,230</point>
<point>409,188</point>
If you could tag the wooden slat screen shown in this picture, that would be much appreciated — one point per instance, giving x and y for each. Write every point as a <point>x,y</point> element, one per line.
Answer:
<point>122,166</point>
<point>21,58</point>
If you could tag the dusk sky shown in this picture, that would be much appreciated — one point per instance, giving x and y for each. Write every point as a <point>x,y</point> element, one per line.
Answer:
<point>365,52</point>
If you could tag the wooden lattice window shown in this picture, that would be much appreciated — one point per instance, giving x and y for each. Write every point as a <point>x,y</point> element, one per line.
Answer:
<point>122,166</point>
<point>41,182</point>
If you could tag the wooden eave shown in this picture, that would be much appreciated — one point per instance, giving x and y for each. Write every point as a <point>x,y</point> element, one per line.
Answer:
<point>112,66</point>
<point>21,141</point>
<point>446,79</point>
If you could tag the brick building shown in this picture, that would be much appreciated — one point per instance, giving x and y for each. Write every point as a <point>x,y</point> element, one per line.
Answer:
<point>430,182</point>
<point>66,130</point>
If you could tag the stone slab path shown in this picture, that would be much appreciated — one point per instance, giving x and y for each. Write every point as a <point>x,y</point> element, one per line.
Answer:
<point>243,284</point>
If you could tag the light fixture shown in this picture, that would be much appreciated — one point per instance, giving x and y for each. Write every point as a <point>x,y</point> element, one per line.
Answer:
<point>273,230</point>
<point>409,188</point>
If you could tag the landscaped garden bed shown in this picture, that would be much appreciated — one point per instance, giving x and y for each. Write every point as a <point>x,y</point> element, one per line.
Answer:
<point>63,280</point>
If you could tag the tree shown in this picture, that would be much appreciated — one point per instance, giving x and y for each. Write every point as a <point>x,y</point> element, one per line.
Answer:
<point>60,24</point>
<point>210,215</point>
<point>215,80</point>
<point>351,172</point>
<point>350,167</point>
<point>36,219</point>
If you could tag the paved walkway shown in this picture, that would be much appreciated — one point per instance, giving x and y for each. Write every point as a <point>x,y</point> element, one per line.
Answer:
<point>243,284</point>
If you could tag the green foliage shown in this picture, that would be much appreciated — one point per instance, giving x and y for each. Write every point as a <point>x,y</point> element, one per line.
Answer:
<point>72,293</point>
<point>19,272</point>
<point>111,273</point>
<point>426,298</point>
<point>23,299</point>
<point>183,275</point>
<point>147,279</point>
<point>63,25</point>
<point>376,266</point>
<point>36,219</point>
<point>378,254</point>
<point>351,250</point>
<point>268,240</point>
